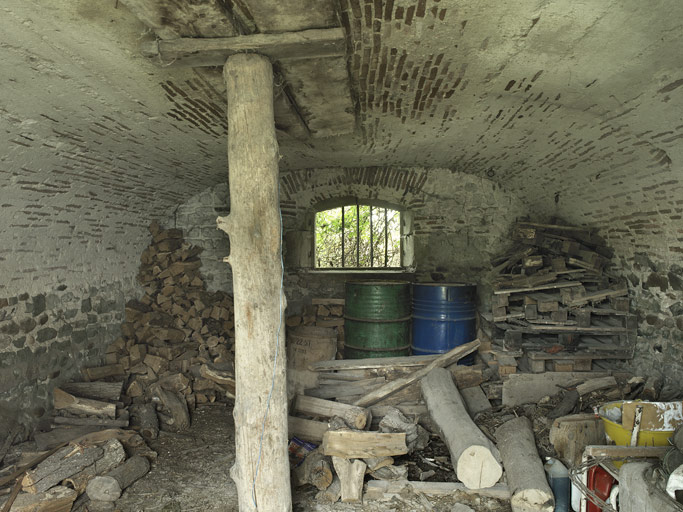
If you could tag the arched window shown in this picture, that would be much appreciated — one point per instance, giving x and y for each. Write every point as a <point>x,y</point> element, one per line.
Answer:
<point>359,236</point>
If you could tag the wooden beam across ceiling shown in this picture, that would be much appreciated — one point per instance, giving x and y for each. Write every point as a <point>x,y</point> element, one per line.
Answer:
<point>204,52</point>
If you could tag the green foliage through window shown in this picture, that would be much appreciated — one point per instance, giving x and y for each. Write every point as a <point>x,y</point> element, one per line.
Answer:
<point>358,236</point>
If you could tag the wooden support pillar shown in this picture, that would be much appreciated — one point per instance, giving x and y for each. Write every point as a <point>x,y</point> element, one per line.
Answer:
<point>261,470</point>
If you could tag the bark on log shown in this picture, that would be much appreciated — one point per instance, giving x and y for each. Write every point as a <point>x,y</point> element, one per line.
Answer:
<point>114,454</point>
<point>71,403</point>
<point>351,476</point>
<point>355,417</point>
<point>62,435</point>
<point>254,228</point>
<point>177,407</point>
<point>110,486</point>
<point>57,499</point>
<point>95,390</point>
<point>525,474</point>
<point>145,420</point>
<point>308,430</point>
<point>90,421</point>
<point>62,464</point>
<point>351,444</point>
<point>475,459</point>
<point>332,493</point>
<point>398,384</point>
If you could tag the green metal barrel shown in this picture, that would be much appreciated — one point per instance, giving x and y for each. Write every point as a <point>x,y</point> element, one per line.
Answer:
<point>377,319</point>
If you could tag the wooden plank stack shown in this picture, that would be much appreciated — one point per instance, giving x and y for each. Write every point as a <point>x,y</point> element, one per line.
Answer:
<point>555,300</point>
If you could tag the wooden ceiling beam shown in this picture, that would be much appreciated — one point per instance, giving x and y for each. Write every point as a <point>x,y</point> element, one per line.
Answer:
<point>202,52</point>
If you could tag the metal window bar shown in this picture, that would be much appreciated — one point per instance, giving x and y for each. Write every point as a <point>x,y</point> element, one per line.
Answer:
<point>343,234</point>
<point>386,239</point>
<point>357,234</point>
<point>372,243</point>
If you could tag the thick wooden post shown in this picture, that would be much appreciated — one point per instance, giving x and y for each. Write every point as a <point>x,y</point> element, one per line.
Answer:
<point>261,469</point>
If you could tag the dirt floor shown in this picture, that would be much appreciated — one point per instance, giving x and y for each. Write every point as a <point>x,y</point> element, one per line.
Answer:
<point>192,473</point>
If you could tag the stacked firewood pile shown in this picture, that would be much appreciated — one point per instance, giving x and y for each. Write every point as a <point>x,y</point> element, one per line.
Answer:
<point>553,295</point>
<point>175,353</point>
<point>323,312</point>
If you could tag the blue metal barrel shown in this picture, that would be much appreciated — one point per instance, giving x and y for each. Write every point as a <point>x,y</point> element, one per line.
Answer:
<point>444,317</point>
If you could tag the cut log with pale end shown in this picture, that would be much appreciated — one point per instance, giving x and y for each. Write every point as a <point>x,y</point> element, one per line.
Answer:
<point>308,430</point>
<point>68,402</point>
<point>355,417</point>
<point>60,465</point>
<point>332,493</point>
<point>351,476</point>
<point>571,434</point>
<point>475,458</point>
<point>352,444</point>
<point>398,384</point>
<point>57,499</point>
<point>95,390</point>
<point>110,486</point>
<point>315,470</point>
<point>114,454</point>
<point>526,477</point>
<point>144,419</point>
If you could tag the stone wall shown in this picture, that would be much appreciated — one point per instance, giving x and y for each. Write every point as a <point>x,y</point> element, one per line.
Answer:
<point>46,339</point>
<point>459,222</point>
<point>197,218</point>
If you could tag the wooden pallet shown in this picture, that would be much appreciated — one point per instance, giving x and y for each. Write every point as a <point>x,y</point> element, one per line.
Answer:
<point>580,360</point>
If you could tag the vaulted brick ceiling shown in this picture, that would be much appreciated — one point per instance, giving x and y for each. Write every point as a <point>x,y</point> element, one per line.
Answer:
<point>575,106</point>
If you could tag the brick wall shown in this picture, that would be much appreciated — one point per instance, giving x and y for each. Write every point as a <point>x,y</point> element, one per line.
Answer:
<point>460,221</point>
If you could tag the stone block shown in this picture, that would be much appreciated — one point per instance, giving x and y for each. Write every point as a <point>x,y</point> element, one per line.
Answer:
<point>46,334</point>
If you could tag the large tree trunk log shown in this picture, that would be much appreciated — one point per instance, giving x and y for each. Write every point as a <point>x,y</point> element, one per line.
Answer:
<point>524,469</point>
<point>474,457</point>
<point>261,470</point>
